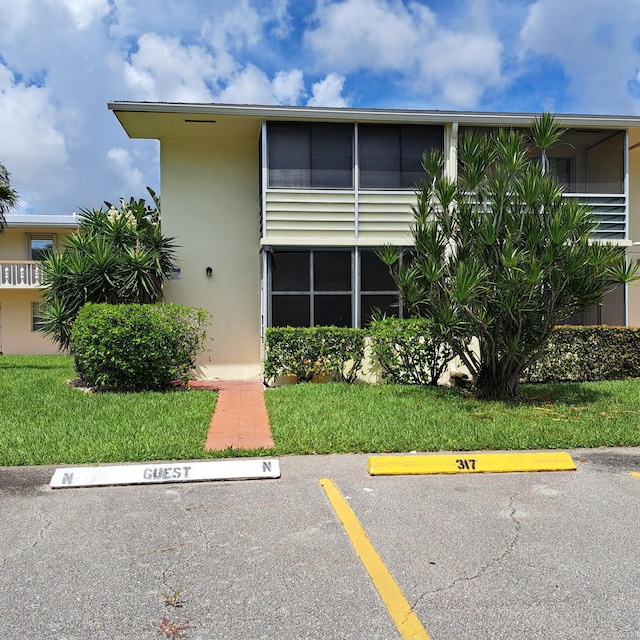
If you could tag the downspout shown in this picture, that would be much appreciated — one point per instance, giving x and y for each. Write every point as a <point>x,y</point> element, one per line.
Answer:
<point>356,252</point>
<point>626,219</point>
<point>264,279</point>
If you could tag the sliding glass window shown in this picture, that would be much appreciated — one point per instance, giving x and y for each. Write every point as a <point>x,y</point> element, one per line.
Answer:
<point>318,287</point>
<point>312,288</point>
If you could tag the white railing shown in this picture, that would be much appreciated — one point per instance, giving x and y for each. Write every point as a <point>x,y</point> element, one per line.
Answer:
<point>20,273</point>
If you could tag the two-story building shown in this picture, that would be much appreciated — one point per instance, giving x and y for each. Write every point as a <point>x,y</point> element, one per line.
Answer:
<point>278,209</point>
<point>25,241</point>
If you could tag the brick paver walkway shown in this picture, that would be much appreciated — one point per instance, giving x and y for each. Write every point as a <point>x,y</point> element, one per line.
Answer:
<point>240,418</point>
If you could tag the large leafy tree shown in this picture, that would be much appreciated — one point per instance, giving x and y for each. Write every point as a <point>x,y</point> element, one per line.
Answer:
<point>8,196</point>
<point>117,256</point>
<point>500,256</point>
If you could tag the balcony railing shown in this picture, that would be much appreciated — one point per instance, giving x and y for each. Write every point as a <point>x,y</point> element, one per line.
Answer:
<point>18,274</point>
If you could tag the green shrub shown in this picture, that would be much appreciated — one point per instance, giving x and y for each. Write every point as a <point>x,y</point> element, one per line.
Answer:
<point>336,352</point>
<point>135,347</point>
<point>409,351</point>
<point>584,354</point>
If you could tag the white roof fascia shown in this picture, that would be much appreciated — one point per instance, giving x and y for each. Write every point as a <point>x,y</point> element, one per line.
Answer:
<point>377,115</point>
<point>41,220</point>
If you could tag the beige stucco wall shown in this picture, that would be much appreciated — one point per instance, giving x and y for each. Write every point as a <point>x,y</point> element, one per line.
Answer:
<point>15,324</point>
<point>13,245</point>
<point>210,204</point>
<point>633,290</point>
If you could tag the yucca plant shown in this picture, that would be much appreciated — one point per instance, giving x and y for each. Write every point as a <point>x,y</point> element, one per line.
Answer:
<point>500,256</point>
<point>118,255</point>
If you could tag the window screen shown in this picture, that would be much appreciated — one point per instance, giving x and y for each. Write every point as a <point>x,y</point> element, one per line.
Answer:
<point>390,156</point>
<point>564,171</point>
<point>378,291</point>
<point>310,156</point>
<point>311,288</point>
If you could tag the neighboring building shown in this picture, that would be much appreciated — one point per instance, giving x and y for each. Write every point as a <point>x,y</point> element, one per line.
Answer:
<point>278,209</point>
<point>26,239</point>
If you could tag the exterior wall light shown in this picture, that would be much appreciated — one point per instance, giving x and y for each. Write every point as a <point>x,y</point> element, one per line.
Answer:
<point>209,272</point>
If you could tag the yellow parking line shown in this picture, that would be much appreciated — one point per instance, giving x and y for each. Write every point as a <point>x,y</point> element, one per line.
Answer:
<point>634,474</point>
<point>404,618</point>
<point>464,462</point>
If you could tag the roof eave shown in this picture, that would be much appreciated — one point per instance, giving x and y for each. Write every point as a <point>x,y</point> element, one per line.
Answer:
<point>355,114</point>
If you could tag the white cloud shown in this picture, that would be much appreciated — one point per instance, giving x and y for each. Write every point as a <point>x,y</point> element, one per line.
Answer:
<point>84,12</point>
<point>461,66</point>
<point>354,34</point>
<point>131,177</point>
<point>328,92</point>
<point>234,29</point>
<point>288,86</point>
<point>15,13</point>
<point>33,146</point>
<point>250,86</point>
<point>452,65</point>
<point>163,69</point>
<point>593,43</point>
<point>280,15</point>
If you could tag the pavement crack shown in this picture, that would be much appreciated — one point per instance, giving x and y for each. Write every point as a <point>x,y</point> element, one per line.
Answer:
<point>40,536</point>
<point>198,548</point>
<point>508,549</point>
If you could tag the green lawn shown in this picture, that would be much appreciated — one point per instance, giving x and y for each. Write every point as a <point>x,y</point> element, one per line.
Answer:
<point>339,418</point>
<point>42,421</point>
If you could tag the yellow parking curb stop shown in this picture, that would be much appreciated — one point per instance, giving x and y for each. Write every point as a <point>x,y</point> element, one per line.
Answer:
<point>466,462</point>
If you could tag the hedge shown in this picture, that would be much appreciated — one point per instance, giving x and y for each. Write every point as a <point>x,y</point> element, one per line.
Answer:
<point>577,354</point>
<point>409,351</point>
<point>133,347</point>
<point>333,352</point>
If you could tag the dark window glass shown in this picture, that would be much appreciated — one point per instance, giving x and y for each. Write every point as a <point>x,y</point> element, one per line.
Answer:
<point>332,310</point>
<point>374,274</point>
<point>390,156</point>
<point>39,248</point>
<point>290,311</point>
<point>332,270</point>
<point>309,155</point>
<point>290,271</point>
<point>384,303</point>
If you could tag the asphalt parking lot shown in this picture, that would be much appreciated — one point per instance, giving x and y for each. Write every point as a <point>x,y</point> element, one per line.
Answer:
<point>501,555</point>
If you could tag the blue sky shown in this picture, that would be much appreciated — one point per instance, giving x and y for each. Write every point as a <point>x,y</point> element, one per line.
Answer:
<point>61,61</point>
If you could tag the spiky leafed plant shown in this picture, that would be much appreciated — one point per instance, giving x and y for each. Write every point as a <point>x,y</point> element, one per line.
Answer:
<point>8,196</point>
<point>500,256</point>
<point>118,255</point>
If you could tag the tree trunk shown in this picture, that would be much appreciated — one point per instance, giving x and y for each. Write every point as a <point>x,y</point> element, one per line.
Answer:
<point>498,386</point>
